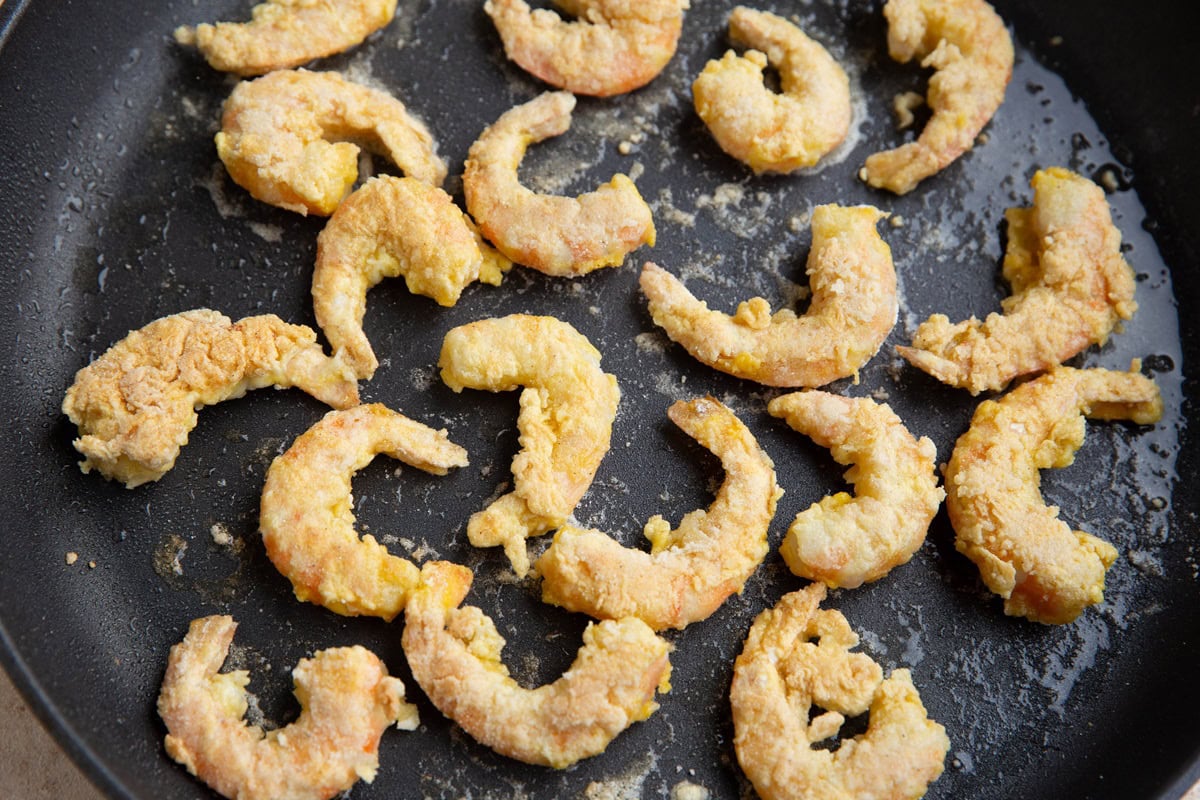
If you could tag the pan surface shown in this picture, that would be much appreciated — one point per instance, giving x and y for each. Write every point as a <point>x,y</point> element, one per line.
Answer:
<point>116,211</point>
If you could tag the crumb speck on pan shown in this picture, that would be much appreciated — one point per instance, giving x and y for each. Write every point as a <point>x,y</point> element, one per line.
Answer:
<point>72,557</point>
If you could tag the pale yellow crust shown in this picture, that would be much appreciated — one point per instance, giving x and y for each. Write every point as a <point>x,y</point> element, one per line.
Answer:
<point>455,653</point>
<point>136,404</point>
<point>1044,570</point>
<point>347,700</point>
<point>307,519</point>
<point>691,570</point>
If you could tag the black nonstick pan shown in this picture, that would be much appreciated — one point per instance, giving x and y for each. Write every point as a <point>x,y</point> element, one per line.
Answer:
<point>116,211</point>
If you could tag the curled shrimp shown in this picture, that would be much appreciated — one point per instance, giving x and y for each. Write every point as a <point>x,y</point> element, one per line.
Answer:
<point>136,404</point>
<point>455,652</point>
<point>853,309</point>
<point>766,130</point>
<point>690,570</point>
<point>388,227</point>
<point>1071,288</point>
<point>615,46</point>
<point>567,410</point>
<point>291,138</point>
<point>563,236</point>
<point>797,656</point>
<point>307,519</point>
<point>346,697</point>
<point>969,48</point>
<point>287,33</point>
<point>844,541</point>
<point>1044,570</point>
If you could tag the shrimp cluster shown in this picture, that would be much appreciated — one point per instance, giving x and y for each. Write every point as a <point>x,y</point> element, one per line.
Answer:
<point>614,47</point>
<point>292,138</point>
<point>690,570</point>
<point>346,697</point>
<point>287,33</point>
<point>567,409</point>
<point>844,541</point>
<point>967,45</point>
<point>562,236</point>
<point>136,404</point>
<point>389,227</point>
<point>1071,288</point>
<point>853,308</point>
<point>797,656</point>
<point>766,130</point>
<point>307,517</point>
<point>455,652</point>
<point>1045,571</point>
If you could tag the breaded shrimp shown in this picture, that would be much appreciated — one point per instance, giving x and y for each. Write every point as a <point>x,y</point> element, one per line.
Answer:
<point>136,404</point>
<point>388,227</point>
<point>287,33</point>
<point>796,657</point>
<point>455,653</point>
<point>1071,289</point>
<point>766,130</point>
<point>562,236</point>
<point>307,517</point>
<point>346,697</point>
<point>615,46</point>
<point>853,309</point>
<point>291,138</point>
<point>690,570</point>
<point>1044,570</point>
<point>844,541</point>
<point>567,410</point>
<point>971,52</point>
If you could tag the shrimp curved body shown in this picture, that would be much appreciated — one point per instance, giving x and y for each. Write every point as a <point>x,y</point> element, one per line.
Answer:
<point>845,541</point>
<point>797,656</point>
<point>969,48</point>
<point>455,653</point>
<point>691,570</point>
<point>286,33</point>
<point>1071,289</point>
<point>562,236</point>
<point>614,47</point>
<point>386,228</point>
<point>307,518</point>
<point>136,404</point>
<point>853,309</point>
<point>565,420</point>
<point>346,697</point>
<point>766,130</point>
<point>291,138</point>
<point>1044,570</point>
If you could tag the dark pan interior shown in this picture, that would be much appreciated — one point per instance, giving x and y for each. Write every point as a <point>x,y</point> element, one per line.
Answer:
<point>116,211</point>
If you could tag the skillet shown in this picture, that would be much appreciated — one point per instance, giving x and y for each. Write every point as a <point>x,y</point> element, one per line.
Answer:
<point>116,212</point>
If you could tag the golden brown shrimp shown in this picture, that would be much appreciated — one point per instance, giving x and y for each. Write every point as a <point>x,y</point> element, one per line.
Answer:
<point>567,410</point>
<point>287,33</point>
<point>615,46</point>
<point>291,138</point>
<point>1044,570</point>
<point>388,227</point>
<point>346,697</point>
<point>853,309</point>
<point>766,130</point>
<point>971,52</point>
<point>563,236</point>
<point>844,541</point>
<point>307,519</point>
<point>455,652</point>
<point>1071,288</point>
<point>136,404</point>
<point>782,673</point>
<point>690,570</point>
